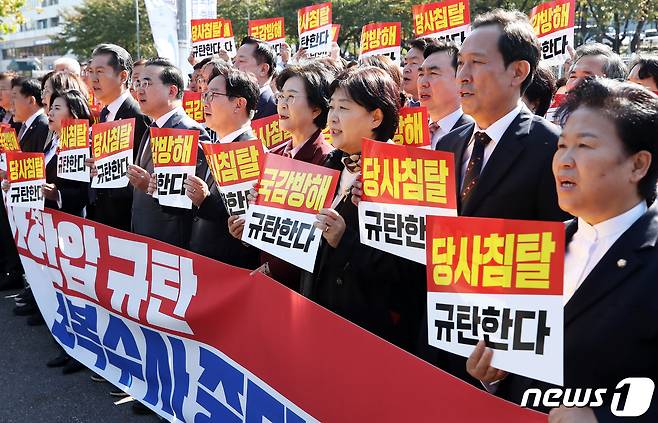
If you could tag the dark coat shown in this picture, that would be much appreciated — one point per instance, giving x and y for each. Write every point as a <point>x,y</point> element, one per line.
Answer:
<point>73,193</point>
<point>210,236</point>
<point>610,322</point>
<point>34,138</point>
<point>113,206</point>
<point>516,183</point>
<point>266,104</point>
<point>354,280</point>
<point>149,218</point>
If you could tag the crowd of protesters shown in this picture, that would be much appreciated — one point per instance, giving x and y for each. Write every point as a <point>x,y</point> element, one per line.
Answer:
<point>592,165</point>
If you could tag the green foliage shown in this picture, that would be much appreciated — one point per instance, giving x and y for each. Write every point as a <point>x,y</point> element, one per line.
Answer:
<point>10,15</point>
<point>101,21</point>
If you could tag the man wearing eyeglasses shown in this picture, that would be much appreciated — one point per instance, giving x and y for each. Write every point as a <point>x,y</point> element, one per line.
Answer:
<point>109,70</point>
<point>160,93</point>
<point>230,101</point>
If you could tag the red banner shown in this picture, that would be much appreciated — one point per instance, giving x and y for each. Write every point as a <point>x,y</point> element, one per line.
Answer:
<point>193,105</point>
<point>269,131</point>
<point>112,150</point>
<point>110,138</point>
<point>74,134</point>
<point>271,29</point>
<point>293,185</point>
<point>553,16</point>
<point>276,354</point>
<point>413,129</point>
<point>412,176</point>
<point>8,139</point>
<point>436,18</point>
<point>495,256</point>
<point>209,36</point>
<point>314,29</point>
<point>381,39</point>
<point>235,162</point>
<point>501,280</point>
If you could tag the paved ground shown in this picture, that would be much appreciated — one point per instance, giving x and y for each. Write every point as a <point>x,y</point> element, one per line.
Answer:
<point>30,392</point>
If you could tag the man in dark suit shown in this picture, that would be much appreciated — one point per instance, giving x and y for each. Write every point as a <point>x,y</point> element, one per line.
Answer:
<point>258,58</point>
<point>606,173</point>
<point>27,105</point>
<point>503,159</point>
<point>110,69</point>
<point>438,92</point>
<point>6,115</point>
<point>160,91</point>
<point>229,103</point>
<point>28,109</point>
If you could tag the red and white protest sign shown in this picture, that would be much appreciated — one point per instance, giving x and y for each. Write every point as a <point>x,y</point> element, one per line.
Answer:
<point>554,26</point>
<point>73,150</point>
<point>26,173</point>
<point>290,195</point>
<point>402,186</point>
<point>236,167</point>
<point>170,327</point>
<point>450,20</point>
<point>174,159</point>
<point>269,131</point>
<point>501,281</point>
<point>271,30</point>
<point>335,30</point>
<point>413,129</point>
<point>381,39</point>
<point>210,36</point>
<point>193,105</point>
<point>8,142</point>
<point>112,150</point>
<point>314,28</point>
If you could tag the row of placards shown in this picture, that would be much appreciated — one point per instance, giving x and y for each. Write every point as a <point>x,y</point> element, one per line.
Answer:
<point>486,278</point>
<point>552,21</point>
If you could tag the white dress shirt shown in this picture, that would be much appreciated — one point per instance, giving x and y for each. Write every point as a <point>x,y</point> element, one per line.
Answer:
<point>114,106</point>
<point>590,243</point>
<point>233,135</point>
<point>445,125</point>
<point>495,131</point>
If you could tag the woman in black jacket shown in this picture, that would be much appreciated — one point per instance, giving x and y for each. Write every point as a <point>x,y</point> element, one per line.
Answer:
<point>351,279</point>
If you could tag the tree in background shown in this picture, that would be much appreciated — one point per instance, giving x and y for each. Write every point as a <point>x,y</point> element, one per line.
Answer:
<point>101,21</point>
<point>10,15</point>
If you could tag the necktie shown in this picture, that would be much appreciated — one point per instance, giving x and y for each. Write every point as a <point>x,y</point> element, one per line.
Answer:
<point>287,152</point>
<point>434,128</point>
<point>474,167</point>
<point>104,112</point>
<point>22,131</point>
<point>351,162</point>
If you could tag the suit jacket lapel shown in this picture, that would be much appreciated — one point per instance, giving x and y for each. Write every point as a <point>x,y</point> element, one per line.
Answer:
<point>500,162</point>
<point>123,109</point>
<point>610,270</point>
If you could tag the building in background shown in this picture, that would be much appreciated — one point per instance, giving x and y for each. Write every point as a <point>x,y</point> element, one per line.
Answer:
<point>30,49</point>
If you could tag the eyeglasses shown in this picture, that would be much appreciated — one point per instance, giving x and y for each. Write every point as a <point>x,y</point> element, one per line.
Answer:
<point>142,83</point>
<point>208,96</point>
<point>284,99</point>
